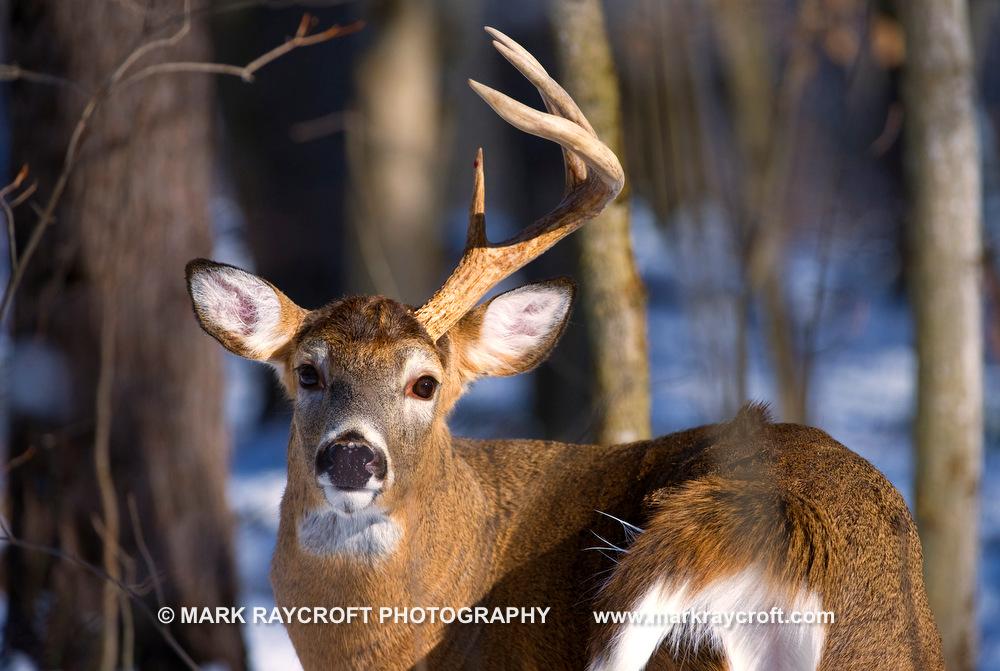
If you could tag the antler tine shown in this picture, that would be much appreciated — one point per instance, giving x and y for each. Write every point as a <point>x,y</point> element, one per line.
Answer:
<point>556,99</point>
<point>571,136</point>
<point>594,178</point>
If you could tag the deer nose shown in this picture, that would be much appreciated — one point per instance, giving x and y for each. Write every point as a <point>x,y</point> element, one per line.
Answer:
<point>349,463</point>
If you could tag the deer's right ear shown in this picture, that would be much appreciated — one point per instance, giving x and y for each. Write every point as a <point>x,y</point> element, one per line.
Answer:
<point>245,313</point>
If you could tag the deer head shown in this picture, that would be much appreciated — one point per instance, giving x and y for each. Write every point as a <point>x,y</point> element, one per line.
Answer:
<point>369,384</point>
<point>372,380</point>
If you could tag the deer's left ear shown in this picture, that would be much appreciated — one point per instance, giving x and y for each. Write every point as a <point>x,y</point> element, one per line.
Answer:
<point>513,332</point>
<point>245,313</point>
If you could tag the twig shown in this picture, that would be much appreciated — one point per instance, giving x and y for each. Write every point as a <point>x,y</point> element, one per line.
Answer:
<point>16,184</point>
<point>25,195</point>
<point>13,72</point>
<point>7,536</point>
<point>45,218</point>
<point>9,213</point>
<point>124,607</point>
<point>218,8</point>
<point>19,460</point>
<point>147,47</point>
<point>246,72</point>
<point>128,630</point>
<point>105,481</point>
<point>147,556</point>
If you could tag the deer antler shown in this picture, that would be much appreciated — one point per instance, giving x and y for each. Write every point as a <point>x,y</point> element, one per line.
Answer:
<point>594,177</point>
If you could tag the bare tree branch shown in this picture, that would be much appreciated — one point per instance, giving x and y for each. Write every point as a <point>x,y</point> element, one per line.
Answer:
<point>152,45</point>
<point>147,556</point>
<point>246,72</point>
<point>19,460</point>
<point>118,79</point>
<point>8,536</point>
<point>105,481</point>
<point>8,211</point>
<point>14,72</point>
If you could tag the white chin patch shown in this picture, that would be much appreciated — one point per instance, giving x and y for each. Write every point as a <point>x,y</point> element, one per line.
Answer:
<point>366,535</point>
<point>348,502</point>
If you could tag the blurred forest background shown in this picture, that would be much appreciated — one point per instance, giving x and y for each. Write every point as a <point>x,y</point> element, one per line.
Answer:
<point>814,188</point>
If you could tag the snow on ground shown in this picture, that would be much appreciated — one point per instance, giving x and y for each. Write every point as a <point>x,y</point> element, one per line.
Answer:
<point>255,490</point>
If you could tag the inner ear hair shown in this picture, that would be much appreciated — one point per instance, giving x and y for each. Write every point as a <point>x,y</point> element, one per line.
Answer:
<point>516,330</point>
<point>245,313</point>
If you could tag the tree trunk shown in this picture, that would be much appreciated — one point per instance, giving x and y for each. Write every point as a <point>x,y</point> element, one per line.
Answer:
<point>132,418</point>
<point>944,184</point>
<point>614,299</point>
<point>395,153</point>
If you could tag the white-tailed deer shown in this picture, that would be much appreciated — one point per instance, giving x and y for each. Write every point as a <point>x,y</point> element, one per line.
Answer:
<point>714,538</point>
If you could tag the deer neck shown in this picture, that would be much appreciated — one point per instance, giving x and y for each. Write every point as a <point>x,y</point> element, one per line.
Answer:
<point>416,553</point>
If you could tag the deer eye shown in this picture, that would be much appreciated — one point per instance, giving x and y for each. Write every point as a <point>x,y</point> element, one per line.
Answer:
<point>424,387</point>
<point>308,376</point>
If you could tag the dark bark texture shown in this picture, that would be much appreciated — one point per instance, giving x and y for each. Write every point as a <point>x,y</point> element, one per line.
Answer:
<point>134,211</point>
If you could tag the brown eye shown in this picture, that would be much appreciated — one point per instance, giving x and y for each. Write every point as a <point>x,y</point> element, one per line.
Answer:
<point>424,387</point>
<point>308,376</point>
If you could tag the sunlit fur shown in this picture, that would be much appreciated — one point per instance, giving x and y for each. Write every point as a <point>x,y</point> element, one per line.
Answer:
<point>737,515</point>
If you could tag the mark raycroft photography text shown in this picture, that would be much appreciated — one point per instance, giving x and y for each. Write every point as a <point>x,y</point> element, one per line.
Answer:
<point>355,614</point>
<point>774,616</point>
<point>475,615</point>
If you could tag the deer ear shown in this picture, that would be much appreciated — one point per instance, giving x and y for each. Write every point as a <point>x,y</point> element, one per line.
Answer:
<point>514,332</point>
<point>245,313</point>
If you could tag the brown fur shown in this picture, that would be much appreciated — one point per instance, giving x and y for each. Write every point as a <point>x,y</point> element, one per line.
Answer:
<point>809,510</point>
<point>510,523</point>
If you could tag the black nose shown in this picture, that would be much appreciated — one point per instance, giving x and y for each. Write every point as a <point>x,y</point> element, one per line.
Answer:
<point>349,463</point>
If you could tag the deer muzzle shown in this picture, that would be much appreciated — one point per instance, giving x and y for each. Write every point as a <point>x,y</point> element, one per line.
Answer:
<point>349,462</point>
